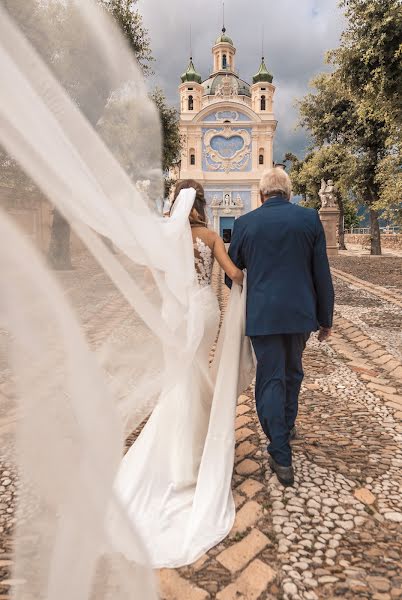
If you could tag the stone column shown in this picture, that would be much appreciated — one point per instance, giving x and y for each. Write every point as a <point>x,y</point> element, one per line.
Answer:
<point>330,219</point>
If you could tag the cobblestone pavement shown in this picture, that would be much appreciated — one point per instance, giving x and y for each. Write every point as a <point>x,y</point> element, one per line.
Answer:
<point>338,532</point>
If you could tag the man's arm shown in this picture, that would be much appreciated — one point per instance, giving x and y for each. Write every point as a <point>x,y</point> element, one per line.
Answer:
<point>235,250</point>
<point>322,280</point>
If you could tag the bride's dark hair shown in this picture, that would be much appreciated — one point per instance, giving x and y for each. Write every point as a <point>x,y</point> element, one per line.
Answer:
<point>200,203</point>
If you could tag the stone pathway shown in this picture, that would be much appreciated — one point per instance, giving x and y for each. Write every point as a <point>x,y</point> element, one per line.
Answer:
<point>338,532</point>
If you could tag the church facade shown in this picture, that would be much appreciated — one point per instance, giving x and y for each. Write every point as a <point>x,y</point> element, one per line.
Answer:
<point>228,128</point>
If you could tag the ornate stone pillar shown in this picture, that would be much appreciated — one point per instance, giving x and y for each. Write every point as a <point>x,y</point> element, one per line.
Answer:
<point>330,219</point>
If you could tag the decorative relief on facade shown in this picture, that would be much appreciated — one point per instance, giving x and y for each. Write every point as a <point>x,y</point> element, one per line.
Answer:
<point>225,200</point>
<point>227,149</point>
<point>231,115</point>
<point>228,88</point>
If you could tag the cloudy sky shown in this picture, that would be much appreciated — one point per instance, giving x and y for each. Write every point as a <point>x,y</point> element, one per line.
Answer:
<point>297,34</point>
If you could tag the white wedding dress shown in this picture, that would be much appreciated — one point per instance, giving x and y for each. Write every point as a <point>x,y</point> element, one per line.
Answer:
<point>175,481</point>
<point>82,127</point>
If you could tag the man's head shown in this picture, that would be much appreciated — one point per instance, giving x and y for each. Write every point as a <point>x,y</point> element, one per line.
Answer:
<point>275,182</point>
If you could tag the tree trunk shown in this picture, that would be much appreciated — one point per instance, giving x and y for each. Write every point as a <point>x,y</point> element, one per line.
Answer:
<point>341,225</point>
<point>59,254</point>
<point>375,233</point>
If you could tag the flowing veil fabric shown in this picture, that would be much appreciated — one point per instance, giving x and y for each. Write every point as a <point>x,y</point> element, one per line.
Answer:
<point>75,114</point>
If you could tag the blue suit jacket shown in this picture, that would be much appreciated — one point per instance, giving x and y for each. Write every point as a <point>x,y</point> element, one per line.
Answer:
<point>289,284</point>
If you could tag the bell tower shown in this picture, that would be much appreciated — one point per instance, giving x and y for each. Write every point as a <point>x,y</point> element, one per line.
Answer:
<point>262,91</point>
<point>223,53</point>
<point>190,91</point>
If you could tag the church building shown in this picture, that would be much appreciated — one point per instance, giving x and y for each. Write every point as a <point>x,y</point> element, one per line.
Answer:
<point>228,127</point>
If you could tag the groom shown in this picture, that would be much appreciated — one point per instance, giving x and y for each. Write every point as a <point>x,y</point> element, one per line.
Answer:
<point>289,295</point>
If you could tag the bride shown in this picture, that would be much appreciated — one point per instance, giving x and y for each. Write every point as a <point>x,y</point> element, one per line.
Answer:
<point>85,131</point>
<point>160,481</point>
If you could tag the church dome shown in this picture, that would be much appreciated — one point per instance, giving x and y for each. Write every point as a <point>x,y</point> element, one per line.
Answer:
<point>263,74</point>
<point>191,74</point>
<point>223,38</point>
<point>225,81</point>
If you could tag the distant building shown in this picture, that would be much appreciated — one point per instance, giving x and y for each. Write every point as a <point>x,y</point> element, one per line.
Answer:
<point>228,130</point>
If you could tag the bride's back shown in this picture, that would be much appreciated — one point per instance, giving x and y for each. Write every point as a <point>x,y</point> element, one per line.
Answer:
<point>203,244</point>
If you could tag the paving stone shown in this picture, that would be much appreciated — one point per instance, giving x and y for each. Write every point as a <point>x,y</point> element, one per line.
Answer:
<point>247,467</point>
<point>381,388</point>
<point>243,433</point>
<point>251,487</point>
<point>246,517</point>
<point>174,587</point>
<point>238,555</point>
<point>244,449</point>
<point>253,581</point>
<point>364,495</point>
<point>241,409</point>
<point>241,421</point>
<point>397,373</point>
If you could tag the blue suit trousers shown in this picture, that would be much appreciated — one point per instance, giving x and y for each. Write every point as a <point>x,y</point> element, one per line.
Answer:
<point>277,388</point>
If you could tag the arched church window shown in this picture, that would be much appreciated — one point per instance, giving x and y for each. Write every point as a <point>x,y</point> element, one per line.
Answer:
<point>190,103</point>
<point>263,103</point>
<point>192,156</point>
<point>261,159</point>
<point>224,62</point>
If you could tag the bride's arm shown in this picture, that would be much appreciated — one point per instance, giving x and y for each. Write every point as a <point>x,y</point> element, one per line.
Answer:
<point>225,262</point>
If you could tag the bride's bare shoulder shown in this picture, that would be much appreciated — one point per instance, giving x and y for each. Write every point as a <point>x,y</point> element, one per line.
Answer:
<point>208,236</point>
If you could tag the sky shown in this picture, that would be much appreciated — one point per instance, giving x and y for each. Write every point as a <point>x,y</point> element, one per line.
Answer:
<point>297,33</point>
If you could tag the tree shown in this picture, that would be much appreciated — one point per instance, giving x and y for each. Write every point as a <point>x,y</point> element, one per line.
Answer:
<point>332,116</point>
<point>58,32</point>
<point>328,162</point>
<point>358,105</point>
<point>171,137</point>
<point>131,24</point>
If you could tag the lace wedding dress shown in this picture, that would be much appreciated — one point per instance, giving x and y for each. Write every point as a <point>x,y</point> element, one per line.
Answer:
<point>175,481</point>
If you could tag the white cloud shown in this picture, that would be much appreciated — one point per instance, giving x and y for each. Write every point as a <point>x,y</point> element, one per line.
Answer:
<point>297,35</point>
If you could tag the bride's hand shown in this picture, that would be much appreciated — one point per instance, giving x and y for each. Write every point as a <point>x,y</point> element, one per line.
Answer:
<point>238,277</point>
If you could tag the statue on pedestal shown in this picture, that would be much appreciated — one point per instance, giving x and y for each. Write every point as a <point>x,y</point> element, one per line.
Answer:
<point>327,194</point>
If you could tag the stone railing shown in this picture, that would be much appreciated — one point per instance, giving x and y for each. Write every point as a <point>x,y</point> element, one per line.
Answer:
<point>388,240</point>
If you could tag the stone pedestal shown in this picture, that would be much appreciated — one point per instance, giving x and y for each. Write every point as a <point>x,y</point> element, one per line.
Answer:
<point>330,220</point>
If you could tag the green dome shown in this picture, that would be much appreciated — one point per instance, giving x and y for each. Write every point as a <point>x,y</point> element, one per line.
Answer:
<point>224,38</point>
<point>191,74</point>
<point>263,74</point>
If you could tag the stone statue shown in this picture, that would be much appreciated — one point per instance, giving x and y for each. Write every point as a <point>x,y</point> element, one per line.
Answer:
<point>215,201</point>
<point>227,200</point>
<point>327,194</point>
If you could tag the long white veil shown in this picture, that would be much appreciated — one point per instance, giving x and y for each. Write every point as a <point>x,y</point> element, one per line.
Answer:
<point>75,114</point>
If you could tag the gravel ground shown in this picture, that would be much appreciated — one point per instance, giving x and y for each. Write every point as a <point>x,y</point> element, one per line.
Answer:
<point>338,532</point>
<point>382,270</point>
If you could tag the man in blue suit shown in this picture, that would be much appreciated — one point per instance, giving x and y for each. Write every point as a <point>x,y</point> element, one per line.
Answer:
<point>289,295</point>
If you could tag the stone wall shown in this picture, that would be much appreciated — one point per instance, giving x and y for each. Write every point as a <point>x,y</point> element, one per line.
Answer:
<point>32,213</point>
<point>388,240</point>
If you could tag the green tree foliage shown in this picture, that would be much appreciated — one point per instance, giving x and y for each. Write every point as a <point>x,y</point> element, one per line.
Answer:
<point>357,105</point>
<point>130,21</point>
<point>328,162</point>
<point>64,41</point>
<point>170,130</point>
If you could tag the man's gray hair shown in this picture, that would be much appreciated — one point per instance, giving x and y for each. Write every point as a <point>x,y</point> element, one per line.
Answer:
<point>276,180</point>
